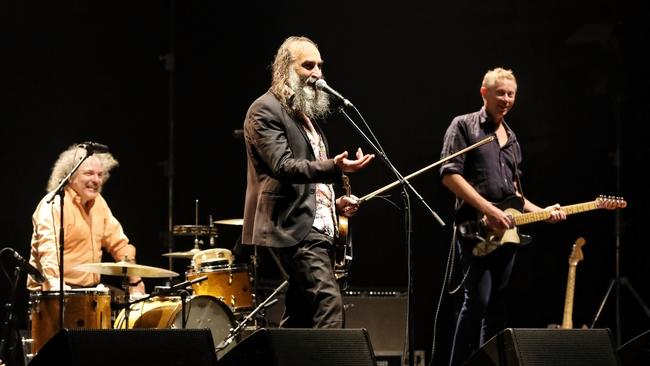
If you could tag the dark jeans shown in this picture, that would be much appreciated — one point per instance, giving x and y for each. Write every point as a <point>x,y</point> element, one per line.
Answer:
<point>313,298</point>
<point>484,312</point>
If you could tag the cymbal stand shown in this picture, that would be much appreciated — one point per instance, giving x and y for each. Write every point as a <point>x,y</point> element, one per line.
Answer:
<point>255,271</point>
<point>125,285</point>
<point>211,225</point>
<point>197,241</point>
<point>234,331</point>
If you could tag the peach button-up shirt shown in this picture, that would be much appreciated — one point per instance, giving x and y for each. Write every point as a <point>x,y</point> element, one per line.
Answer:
<point>86,233</point>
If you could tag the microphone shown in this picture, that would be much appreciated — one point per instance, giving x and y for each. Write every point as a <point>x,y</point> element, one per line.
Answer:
<point>322,85</point>
<point>28,267</point>
<point>93,147</point>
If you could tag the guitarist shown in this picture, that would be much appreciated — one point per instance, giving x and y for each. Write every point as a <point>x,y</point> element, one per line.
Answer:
<point>480,178</point>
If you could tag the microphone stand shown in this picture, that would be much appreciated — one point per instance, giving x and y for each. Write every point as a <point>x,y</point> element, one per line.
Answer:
<point>234,331</point>
<point>407,221</point>
<point>390,165</point>
<point>407,211</point>
<point>59,191</point>
<point>8,324</point>
<point>437,163</point>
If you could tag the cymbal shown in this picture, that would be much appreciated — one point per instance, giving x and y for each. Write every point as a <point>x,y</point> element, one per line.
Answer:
<point>236,222</point>
<point>125,268</point>
<point>189,254</point>
<point>194,230</point>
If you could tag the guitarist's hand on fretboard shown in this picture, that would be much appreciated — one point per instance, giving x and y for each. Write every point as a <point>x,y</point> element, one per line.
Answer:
<point>557,214</point>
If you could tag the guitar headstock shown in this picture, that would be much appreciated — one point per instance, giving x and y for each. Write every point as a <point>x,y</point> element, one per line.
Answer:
<point>576,253</point>
<point>610,202</point>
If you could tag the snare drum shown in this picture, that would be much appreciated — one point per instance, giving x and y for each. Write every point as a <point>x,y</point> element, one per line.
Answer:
<point>229,283</point>
<point>84,308</point>
<point>156,312</point>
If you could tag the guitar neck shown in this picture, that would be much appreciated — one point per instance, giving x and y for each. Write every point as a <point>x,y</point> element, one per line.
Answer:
<point>530,217</point>
<point>567,320</point>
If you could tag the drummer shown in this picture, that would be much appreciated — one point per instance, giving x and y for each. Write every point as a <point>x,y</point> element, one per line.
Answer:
<point>89,225</point>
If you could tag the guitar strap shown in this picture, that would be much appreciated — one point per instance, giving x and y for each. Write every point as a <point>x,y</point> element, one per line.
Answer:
<point>517,178</point>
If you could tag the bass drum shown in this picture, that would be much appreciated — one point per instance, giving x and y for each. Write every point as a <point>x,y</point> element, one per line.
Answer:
<point>157,312</point>
<point>204,311</point>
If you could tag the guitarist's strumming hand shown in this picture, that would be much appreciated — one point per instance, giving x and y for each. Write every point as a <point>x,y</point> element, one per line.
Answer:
<point>350,166</point>
<point>347,205</point>
<point>497,220</point>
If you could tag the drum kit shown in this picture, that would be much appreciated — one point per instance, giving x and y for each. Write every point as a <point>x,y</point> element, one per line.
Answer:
<point>217,291</point>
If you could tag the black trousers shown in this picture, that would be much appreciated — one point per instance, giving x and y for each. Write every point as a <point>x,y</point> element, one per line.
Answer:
<point>483,313</point>
<point>313,298</point>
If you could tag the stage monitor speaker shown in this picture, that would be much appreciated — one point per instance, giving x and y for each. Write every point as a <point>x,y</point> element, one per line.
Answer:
<point>636,351</point>
<point>299,347</point>
<point>128,347</point>
<point>382,315</point>
<point>547,347</point>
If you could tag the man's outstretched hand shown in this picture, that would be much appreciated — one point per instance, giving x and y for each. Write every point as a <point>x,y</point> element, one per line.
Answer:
<point>350,166</point>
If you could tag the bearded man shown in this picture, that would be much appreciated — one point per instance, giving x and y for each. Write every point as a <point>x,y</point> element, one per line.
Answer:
<point>290,201</point>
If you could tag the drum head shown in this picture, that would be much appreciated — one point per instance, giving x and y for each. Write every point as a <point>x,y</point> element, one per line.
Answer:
<point>206,311</point>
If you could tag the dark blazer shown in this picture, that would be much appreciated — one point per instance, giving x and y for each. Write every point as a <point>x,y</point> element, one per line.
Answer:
<point>282,175</point>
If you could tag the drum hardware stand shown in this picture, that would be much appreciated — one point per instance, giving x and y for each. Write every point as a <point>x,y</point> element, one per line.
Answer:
<point>211,225</point>
<point>241,325</point>
<point>197,241</point>
<point>125,285</point>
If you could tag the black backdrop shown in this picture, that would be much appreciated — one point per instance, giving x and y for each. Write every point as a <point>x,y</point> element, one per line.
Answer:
<point>80,71</point>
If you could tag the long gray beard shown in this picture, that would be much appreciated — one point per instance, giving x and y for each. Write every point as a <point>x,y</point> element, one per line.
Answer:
<point>315,104</point>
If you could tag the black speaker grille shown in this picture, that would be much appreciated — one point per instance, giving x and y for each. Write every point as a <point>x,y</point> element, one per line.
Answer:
<point>325,347</point>
<point>547,347</point>
<point>128,347</point>
<point>570,347</point>
<point>301,347</point>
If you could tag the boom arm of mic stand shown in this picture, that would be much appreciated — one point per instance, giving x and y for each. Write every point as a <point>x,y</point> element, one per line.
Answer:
<point>399,176</point>
<point>395,183</point>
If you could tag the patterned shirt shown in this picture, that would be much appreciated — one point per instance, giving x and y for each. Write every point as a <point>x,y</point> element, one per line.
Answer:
<point>325,216</point>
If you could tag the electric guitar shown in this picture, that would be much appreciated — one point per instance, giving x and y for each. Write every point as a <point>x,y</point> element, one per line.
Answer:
<point>575,257</point>
<point>343,243</point>
<point>477,239</point>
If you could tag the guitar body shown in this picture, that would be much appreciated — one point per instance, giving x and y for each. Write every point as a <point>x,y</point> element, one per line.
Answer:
<point>474,234</point>
<point>343,242</point>
<point>343,249</point>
